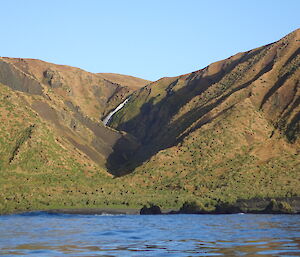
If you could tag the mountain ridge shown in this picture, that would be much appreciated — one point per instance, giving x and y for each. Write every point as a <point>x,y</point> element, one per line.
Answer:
<point>213,85</point>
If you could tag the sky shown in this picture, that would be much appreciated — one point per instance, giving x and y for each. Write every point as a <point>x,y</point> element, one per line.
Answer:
<point>149,39</point>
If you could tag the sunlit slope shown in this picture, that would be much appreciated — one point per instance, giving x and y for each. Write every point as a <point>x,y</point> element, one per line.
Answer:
<point>95,94</point>
<point>37,164</point>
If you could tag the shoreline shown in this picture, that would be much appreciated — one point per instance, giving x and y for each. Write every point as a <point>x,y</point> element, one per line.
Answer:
<point>95,211</point>
<point>289,205</point>
<point>113,211</point>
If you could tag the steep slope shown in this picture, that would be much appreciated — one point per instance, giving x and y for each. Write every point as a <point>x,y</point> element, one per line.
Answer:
<point>226,133</point>
<point>71,101</point>
<point>263,81</point>
<point>33,158</point>
<point>40,168</point>
<point>95,94</point>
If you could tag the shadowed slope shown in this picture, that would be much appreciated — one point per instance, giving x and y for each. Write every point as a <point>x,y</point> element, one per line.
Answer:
<point>163,113</point>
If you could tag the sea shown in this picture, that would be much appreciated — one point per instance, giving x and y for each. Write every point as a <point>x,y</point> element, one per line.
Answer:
<point>45,234</point>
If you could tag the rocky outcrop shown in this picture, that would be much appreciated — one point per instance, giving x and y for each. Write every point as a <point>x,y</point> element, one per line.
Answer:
<point>192,207</point>
<point>52,78</point>
<point>290,205</point>
<point>279,207</point>
<point>150,210</point>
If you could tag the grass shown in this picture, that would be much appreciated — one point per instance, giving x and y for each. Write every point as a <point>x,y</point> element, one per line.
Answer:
<point>221,154</point>
<point>215,163</point>
<point>43,174</point>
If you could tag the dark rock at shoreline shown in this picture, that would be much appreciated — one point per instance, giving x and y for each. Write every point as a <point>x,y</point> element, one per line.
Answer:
<point>191,207</point>
<point>226,208</point>
<point>151,210</point>
<point>279,207</point>
<point>282,205</point>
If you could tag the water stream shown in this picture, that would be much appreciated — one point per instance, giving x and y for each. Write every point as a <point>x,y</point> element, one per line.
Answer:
<point>119,107</point>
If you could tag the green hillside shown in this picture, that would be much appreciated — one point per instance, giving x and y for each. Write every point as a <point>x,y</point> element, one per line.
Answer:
<point>222,134</point>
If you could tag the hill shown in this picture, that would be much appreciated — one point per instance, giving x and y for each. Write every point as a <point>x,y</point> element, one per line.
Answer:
<point>261,85</point>
<point>219,135</point>
<point>71,100</point>
<point>226,132</point>
<point>95,94</point>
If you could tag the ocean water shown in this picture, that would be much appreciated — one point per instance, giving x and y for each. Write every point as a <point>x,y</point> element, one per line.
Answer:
<point>42,234</point>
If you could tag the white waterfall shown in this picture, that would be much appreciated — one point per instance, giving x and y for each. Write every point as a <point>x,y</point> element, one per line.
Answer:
<point>119,107</point>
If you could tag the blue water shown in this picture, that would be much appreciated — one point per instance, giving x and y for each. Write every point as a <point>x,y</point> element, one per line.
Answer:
<point>41,234</point>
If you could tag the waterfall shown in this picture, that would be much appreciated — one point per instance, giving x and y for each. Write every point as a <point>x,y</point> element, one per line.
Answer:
<point>119,107</point>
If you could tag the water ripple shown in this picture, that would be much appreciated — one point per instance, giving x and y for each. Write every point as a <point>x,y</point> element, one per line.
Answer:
<point>42,234</point>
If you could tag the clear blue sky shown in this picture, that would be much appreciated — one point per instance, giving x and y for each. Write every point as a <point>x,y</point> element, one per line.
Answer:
<point>149,39</point>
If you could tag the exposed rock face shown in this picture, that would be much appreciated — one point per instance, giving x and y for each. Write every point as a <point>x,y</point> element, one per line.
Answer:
<point>52,78</point>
